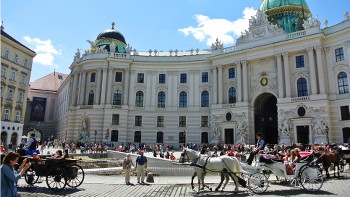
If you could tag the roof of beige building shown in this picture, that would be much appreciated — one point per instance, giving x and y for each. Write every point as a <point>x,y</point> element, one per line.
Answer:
<point>50,82</point>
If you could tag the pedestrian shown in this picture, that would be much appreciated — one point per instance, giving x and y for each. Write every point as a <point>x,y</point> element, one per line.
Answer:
<point>9,176</point>
<point>127,163</point>
<point>141,165</point>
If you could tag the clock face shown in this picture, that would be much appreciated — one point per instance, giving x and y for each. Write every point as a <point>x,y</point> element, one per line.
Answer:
<point>263,81</point>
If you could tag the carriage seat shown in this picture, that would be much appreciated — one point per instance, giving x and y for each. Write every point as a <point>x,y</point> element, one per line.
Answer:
<point>269,159</point>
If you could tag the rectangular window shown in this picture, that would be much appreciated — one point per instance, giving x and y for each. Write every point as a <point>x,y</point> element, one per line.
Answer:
<point>13,75</point>
<point>1,90</point>
<point>115,119</point>
<point>299,61</point>
<point>20,96</point>
<point>10,94</point>
<point>3,70</point>
<point>162,78</point>
<point>23,79</point>
<point>138,121</point>
<point>16,59</point>
<point>345,112</point>
<point>17,116</point>
<point>7,114</point>
<point>339,54</point>
<point>93,77</point>
<point>118,77</point>
<point>160,121</point>
<point>183,78</point>
<point>204,121</point>
<point>231,73</point>
<point>205,77</point>
<point>182,121</point>
<point>7,53</point>
<point>25,64</point>
<point>140,77</point>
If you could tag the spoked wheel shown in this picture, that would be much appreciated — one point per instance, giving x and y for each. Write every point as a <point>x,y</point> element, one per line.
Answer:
<point>258,183</point>
<point>30,177</point>
<point>56,178</point>
<point>311,178</point>
<point>76,176</point>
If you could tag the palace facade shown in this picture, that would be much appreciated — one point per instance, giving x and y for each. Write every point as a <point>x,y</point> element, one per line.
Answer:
<point>286,77</point>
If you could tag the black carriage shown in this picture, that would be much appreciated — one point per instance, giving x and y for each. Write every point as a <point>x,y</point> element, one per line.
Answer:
<point>58,173</point>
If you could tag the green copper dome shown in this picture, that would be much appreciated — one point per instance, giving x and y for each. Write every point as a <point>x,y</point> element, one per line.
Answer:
<point>288,14</point>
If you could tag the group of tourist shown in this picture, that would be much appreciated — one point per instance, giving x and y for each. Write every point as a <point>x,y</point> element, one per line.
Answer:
<point>140,166</point>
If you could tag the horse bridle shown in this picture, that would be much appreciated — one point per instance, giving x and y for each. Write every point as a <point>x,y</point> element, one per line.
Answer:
<point>184,156</point>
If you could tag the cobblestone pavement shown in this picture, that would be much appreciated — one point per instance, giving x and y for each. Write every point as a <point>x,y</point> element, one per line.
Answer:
<point>176,186</point>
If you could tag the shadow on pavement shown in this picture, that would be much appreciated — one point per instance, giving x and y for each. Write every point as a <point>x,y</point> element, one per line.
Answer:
<point>45,190</point>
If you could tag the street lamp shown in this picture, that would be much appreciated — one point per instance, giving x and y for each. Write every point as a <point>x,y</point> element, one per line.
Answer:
<point>107,135</point>
<point>95,136</point>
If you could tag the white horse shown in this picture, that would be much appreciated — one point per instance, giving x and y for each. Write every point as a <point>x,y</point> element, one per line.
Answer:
<point>222,164</point>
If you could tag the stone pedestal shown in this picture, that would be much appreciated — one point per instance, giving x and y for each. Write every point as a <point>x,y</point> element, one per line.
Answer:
<point>320,139</point>
<point>286,140</point>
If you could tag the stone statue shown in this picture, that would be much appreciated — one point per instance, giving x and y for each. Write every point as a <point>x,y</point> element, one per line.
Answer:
<point>84,124</point>
<point>217,45</point>
<point>92,45</point>
<point>77,56</point>
<point>325,22</point>
<point>112,47</point>
<point>346,15</point>
<point>284,128</point>
<point>215,127</point>
<point>128,49</point>
<point>320,127</point>
<point>241,129</point>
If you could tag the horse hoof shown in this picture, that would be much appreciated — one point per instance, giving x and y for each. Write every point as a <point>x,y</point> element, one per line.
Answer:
<point>210,189</point>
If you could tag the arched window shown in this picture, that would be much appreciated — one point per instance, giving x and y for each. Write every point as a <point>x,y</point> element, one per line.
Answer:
<point>160,137</point>
<point>204,137</point>
<point>14,138</point>
<point>91,97</point>
<point>114,136</point>
<point>343,85</point>
<point>3,137</point>
<point>137,137</point>
<point>302,87</point>
<point>183,99</point>
<point>161,99</point>
<point>205,99</point>
<point>232,95</point>
<point>117,97</point>
<point>139,99</point>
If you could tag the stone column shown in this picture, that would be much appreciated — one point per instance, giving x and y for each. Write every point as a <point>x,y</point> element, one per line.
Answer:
<point>131,88</point>
<point>347,46</point>
<point>320,71</point>
<point>310,53</point>
<point>239,82</point>
<point>220,84</point>
<point>103,88</point>
<point>215,85</point>
<point>286,74</point>
<point>98,86</point>
<point>126,86</point>
<point>74,90</point>
<point>82,88</point>
<point>280,76</point>
<point>245,80</point>
<point>109,86</point>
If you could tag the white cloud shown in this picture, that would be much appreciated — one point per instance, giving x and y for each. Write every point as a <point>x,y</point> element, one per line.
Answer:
<point>209,29</point>
<point>45,51</point>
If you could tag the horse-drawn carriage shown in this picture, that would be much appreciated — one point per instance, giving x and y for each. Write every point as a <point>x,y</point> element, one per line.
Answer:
<point>58,173</point>
<point>307,172</point>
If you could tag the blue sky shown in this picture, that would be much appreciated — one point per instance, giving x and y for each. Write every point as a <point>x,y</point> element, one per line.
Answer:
<point>55,29</point>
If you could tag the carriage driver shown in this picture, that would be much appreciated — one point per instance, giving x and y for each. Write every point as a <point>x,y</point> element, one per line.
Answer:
<point>259,146</point>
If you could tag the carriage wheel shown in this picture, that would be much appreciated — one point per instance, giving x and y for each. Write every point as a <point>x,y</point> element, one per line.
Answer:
<point>30,177</point>
<point>78,177</point>
<point>258,183</point>
<point>56,178</point>
<point>311,178</point>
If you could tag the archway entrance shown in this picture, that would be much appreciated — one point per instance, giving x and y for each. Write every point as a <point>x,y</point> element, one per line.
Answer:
<point>265,117</point>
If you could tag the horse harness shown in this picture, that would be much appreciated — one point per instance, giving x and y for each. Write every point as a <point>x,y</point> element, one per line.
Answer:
<point>194,163</point>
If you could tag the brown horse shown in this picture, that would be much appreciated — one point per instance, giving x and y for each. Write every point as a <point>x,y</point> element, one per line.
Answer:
<point>331,157</point>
